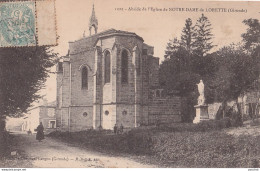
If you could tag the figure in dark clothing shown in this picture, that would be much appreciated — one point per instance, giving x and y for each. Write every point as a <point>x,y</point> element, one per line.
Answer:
<point>121,129</point>
<point>29,132</point>
<point>40,133</point>
<point>115,129</point>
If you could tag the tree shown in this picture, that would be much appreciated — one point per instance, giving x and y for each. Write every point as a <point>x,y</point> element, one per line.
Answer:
<point>172,46</point>
<point>203,36</point>
<point>237,70</point>
<point>183,68</point>
<point>176,78</point>
<point>252,37</point>
<point>228,72</point>
<point>188,35</point>
<point>23,72</point>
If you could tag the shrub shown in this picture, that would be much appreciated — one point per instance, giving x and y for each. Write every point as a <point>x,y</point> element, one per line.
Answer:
<point>139,141</point>
<point>207,125</point>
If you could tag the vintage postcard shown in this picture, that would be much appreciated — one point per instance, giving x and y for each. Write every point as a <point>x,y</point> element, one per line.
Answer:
<point>129,84</point>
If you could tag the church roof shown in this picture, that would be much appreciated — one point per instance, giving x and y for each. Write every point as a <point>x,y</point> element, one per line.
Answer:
<point>111,32</point>
<point>119,32</point>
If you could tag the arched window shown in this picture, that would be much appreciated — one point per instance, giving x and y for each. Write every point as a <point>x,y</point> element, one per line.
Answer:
<point>84,78</point>
<point>124,66</point>
<point>107,67</point>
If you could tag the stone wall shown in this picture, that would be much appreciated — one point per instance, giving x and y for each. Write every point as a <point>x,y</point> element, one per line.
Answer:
<point>66,83</point>
<point>213,109</point>
<point>128,115</point>
<point>81,118</point>
<point>47,114</point>
<point>79,95</point>
<point>153,64</point>
<point>164,110</point>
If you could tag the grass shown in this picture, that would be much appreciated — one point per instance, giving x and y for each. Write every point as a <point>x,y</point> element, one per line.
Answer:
<point>176,145</point>
<point>208,149</point>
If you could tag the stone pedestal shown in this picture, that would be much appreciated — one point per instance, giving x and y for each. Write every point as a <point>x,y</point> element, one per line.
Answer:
<point>201,113</point>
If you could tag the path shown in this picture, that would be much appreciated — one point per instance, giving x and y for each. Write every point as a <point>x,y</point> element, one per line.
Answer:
<point>54,153</point>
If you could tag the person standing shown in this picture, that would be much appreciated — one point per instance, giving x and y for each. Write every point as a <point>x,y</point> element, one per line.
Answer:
<point>40,133</point>
<point>121,128</point>
<point>115,129</point>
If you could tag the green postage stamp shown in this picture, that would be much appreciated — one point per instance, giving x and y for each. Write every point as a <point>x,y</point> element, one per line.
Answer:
<point>17,24</point>
<point>22,23</point>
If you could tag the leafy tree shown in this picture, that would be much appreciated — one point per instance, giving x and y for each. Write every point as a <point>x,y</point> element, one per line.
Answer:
<point>172,46</point>
<point>237,71</point>
<point>177,78</point>
<point>203,36</point>
<point>23,72</point>
<point>252,37</point>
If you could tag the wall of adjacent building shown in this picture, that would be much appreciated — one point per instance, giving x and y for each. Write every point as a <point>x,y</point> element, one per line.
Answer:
<point>164,110</point>
<point>47,114</point>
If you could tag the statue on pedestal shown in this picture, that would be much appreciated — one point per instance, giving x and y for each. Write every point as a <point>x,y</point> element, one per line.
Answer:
<point>201,108</point>
<point>201,98</point>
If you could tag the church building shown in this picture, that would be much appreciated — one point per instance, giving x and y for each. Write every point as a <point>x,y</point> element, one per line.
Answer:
<point>108,78</point>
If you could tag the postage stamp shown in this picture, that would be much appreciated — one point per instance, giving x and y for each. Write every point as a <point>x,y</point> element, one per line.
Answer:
<point>27,23</point>
<point>17,24</point>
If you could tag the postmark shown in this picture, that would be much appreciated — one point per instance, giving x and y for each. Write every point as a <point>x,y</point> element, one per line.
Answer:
<point>17,24</point>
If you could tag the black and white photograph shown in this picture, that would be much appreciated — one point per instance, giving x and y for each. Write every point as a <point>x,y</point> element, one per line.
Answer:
<point>129,84</point>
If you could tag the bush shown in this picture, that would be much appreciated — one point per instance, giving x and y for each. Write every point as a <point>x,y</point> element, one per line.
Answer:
<point>139,141</point>
<point>203,126</point>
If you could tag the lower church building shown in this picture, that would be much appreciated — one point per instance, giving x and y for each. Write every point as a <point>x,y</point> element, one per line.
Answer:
<point>109,78</point>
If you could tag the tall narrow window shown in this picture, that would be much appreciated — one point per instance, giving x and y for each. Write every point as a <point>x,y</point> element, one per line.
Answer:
<point>107,67</point>
<point>124,66</point>
<point>60,67</point>
<point>84,78</point>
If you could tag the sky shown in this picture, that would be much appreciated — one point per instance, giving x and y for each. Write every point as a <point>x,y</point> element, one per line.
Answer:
<point>155,27</point>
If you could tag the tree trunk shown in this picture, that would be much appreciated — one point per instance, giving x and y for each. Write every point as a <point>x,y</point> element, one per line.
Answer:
<point>239,117</point>
<point>224,103</point>
<point>3,140</point>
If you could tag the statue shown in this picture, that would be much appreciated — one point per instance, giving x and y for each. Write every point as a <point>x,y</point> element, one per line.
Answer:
<point>201,98</point>
<point>201,108</point>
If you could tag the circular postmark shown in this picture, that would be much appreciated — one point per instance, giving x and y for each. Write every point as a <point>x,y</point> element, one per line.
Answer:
<point>17,24</point>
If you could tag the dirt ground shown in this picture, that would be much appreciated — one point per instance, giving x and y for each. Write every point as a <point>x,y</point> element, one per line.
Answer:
<point>52,153</point>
